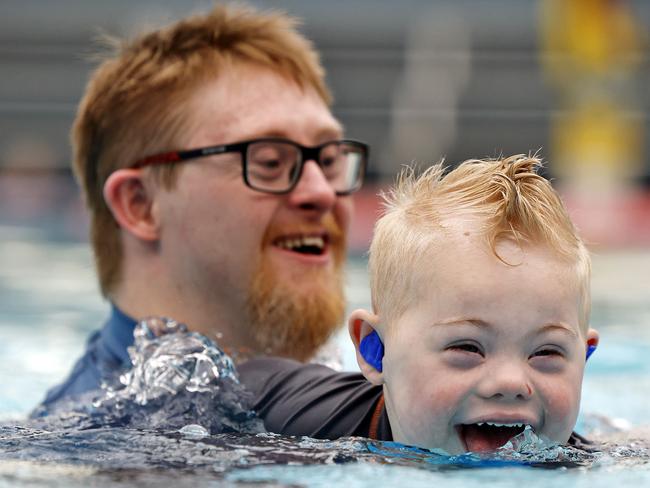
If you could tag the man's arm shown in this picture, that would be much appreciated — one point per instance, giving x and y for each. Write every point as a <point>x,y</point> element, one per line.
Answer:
<point>294,398</point>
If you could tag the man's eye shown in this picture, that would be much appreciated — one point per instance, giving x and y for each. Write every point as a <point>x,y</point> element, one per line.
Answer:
<point>267,164</point>
<point>327,162</point>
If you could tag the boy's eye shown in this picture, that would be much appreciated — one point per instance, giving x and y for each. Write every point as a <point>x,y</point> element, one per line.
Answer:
<point>466,347</point>
<point>547,352</point>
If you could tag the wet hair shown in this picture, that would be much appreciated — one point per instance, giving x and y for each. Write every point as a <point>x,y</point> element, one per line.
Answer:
<point>508,196</point>
<point>135,103</point>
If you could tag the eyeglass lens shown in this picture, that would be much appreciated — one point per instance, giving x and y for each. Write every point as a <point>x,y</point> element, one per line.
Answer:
<point>274,166</point>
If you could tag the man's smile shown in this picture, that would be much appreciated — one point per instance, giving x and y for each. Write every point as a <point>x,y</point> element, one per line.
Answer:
<point>311,244</point>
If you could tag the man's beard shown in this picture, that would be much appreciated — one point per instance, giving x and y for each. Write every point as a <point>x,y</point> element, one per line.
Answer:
<point>288,322</point>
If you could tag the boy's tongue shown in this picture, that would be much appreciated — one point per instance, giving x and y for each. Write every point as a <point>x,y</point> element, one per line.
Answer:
<point>487,438</point>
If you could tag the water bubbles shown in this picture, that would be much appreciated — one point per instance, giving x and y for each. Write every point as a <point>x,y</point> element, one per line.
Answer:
<point>194,431</point>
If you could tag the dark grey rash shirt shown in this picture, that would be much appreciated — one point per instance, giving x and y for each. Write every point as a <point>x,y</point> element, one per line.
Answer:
<point>310,399</point>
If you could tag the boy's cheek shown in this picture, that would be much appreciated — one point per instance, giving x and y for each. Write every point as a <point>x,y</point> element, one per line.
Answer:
<point>562,404</point>
<point>426,399</point>
<point>423,415</point>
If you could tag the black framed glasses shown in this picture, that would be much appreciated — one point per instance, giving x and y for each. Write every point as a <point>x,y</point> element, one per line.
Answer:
<point>274,165</point>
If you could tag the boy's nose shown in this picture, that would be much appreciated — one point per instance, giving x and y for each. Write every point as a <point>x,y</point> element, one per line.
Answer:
<point>506,382</point>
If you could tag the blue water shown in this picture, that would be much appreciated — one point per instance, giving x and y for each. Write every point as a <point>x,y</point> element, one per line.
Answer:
<point>49,303</point>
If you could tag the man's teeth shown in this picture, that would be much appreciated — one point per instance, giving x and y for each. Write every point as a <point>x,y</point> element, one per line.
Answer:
<point>296,242</point>
<point>496,424</point>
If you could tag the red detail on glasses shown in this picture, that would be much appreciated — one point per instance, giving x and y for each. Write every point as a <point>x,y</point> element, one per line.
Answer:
<point>170,157</point>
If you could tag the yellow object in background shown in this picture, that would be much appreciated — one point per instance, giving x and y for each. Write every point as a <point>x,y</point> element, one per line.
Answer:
<point>590,52</point>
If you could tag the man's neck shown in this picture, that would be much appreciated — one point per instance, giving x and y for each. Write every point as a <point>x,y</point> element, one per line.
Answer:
<point>222,324</point>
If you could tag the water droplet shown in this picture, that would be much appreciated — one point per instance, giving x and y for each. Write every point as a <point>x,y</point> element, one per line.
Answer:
<point>194,431</point>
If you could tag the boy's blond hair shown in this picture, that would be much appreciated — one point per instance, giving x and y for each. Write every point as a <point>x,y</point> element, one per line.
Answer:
<point>507,194</point>
<point>134,104</point>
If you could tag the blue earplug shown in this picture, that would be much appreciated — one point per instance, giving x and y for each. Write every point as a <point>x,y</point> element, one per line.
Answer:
<point>590,350</point>
<point>372,350</point>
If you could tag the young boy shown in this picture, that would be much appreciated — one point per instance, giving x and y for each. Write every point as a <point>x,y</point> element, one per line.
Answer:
<point>479,327</point>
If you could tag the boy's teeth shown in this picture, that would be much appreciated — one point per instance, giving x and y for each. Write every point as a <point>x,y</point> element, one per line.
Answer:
<point>496,424</point>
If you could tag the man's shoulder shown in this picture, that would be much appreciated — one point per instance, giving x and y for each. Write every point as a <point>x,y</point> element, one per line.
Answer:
<point>86,375</point>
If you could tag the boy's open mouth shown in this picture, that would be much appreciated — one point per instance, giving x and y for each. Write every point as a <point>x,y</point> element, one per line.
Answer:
<point>488,436</point>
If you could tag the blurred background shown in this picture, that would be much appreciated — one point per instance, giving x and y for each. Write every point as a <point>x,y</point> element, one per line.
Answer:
<point>419,80</point>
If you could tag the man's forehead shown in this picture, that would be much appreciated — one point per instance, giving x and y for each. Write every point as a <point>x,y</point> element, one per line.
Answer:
<point>247,101</point>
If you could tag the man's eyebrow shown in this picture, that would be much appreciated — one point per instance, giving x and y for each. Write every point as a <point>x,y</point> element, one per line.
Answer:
<point>330,133</point>
<point>323,135</point>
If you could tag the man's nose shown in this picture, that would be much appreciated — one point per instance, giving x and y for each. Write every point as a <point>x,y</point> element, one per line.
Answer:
<point>507,381</point>
<point>313,192</point>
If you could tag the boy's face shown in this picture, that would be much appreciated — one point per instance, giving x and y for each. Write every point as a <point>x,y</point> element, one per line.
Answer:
<point>485,343</point>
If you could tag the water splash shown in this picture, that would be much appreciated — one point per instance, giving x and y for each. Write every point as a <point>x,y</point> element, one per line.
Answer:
<point>526,449</point>
<point>532,448</point>
<point>168,359</point>
<point>527,441</point>
<point>178,378</point>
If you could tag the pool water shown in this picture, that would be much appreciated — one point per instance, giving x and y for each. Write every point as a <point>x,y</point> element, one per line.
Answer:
<point>49,303</point>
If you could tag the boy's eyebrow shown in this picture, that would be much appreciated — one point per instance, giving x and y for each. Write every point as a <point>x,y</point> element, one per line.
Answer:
<point>558,326</point>
<point>482,324</point>
<point>463,320</point>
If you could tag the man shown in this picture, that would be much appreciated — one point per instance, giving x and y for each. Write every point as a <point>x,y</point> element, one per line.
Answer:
<point>218,185</point>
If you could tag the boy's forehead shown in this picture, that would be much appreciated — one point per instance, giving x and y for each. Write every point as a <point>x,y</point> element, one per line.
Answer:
<point>458,232</point>
<point>463,277</point>
<point>461,246</point>
<point>468,232</point>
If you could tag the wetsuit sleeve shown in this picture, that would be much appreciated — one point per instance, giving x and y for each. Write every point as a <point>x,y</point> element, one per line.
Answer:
<point>293,398</point>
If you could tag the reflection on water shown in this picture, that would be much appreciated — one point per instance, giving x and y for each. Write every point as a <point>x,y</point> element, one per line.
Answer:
<point>138,455</point>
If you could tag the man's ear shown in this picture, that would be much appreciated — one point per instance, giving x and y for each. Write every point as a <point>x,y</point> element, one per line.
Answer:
<point>360,325</point>
<point>130,201</point>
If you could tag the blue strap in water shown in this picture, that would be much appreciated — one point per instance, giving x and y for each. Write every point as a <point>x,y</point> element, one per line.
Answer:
<point>372,350</point>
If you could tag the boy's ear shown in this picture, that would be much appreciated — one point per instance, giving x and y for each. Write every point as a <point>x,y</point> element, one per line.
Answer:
<point>361,325</point>
<point>130,201</point>
<point>593,338</point>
